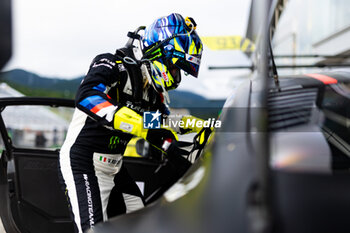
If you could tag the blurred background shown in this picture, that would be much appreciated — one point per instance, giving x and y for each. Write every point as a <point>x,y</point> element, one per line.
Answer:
<point>59,39</point>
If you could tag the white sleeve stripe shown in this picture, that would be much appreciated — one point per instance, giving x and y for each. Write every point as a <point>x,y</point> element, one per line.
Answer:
<point>108,112</point>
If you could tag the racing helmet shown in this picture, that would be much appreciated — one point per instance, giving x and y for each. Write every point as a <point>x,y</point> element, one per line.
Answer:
<point>171,43</point>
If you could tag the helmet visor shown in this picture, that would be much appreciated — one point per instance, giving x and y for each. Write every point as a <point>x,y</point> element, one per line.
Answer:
<point>190,64</point>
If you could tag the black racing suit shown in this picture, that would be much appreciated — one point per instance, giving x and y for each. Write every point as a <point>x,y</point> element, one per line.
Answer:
<point>91,156</point>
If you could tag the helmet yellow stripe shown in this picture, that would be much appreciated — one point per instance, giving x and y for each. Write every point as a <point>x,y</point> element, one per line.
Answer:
<point>164,69</point>
<point>192,49</point>
<point>159,66</point>
<point>177,46</point>
<point>200,49</point>
<point>174,60</point>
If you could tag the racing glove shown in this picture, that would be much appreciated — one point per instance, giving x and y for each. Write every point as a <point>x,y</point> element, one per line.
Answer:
<point>203,136</point>
<point>129,121</point>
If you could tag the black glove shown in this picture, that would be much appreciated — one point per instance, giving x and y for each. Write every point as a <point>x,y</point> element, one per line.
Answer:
<point>157,137</point>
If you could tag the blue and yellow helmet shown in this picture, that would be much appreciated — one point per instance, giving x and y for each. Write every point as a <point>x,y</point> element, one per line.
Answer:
<point>171,43</point>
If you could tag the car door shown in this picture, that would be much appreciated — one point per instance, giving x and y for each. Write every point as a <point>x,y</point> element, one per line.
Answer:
<point>32,131</point>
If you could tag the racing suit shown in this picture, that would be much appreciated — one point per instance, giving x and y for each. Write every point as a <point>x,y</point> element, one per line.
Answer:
<point>90,161</point>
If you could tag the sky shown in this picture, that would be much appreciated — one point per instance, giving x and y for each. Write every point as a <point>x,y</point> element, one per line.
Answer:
<point>60,38</point>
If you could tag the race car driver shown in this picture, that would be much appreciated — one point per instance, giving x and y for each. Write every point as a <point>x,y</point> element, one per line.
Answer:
<point>110,103</point>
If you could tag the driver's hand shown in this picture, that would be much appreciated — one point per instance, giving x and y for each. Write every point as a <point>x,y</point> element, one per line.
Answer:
<point>202,137</point>
<point>158,137</point>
